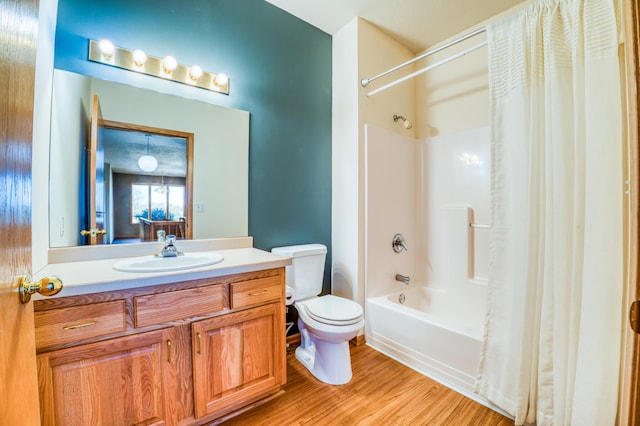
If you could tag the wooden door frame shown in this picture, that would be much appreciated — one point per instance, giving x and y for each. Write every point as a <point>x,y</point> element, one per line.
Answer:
<point>629,401</point>
<point>188,199</point>
<point>93,148</point>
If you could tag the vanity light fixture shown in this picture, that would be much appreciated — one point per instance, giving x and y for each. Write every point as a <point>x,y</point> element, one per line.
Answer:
<point>147,163</point>
<point>169,64</point>
<point>220,80</point>
<point>195,73</point>
<point>139,58</point>
<point>168,68</point>
<point>107,49</point>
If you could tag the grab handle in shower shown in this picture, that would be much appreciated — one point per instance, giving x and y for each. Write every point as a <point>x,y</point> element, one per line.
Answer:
<point>479,225</point>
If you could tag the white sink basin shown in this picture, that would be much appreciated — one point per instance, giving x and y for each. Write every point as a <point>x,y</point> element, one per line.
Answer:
<point>160,264</point>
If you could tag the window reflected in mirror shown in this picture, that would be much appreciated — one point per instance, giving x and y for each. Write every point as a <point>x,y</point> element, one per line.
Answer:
<point>156,202</point>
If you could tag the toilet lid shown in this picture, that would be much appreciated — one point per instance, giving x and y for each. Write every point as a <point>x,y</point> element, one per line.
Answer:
<point>333,310</point>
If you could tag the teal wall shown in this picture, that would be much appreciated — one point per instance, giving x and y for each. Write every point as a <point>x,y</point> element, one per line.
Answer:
<point>280,71</point>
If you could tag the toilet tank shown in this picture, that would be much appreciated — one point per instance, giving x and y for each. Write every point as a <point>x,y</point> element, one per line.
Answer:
<point>305,273</point>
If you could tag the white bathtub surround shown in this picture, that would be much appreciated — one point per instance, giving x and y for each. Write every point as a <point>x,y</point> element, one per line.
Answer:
<point>430,190</point>
<point>455,192</point>
<point>427,333</point>
<point>552,343</point>
<point>392,207</point>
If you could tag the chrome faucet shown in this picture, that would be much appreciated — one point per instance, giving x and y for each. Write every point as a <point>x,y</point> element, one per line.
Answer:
<point>169,250</point>
<point>403,279</point>
<point>398,243</point>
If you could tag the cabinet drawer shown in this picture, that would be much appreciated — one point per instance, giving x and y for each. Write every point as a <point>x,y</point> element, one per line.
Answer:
<point>66,325</point>
<point>162,307</point>
<point>252,292</point>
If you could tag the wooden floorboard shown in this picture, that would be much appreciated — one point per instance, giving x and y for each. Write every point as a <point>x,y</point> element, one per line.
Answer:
<point>382,392</point>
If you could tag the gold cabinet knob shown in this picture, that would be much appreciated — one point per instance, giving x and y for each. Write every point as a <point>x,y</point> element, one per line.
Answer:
<point>47,286</point>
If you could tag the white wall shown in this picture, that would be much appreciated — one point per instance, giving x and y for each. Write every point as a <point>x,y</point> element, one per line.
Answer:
<point>360,50</point>
<point>345,209</point>
<point>47,14</point>
<point>70,114</point>
<point>455,96</point>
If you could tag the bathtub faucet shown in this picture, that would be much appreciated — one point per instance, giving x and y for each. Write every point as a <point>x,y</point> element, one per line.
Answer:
<point>398,243</point>
<point>403,279</point>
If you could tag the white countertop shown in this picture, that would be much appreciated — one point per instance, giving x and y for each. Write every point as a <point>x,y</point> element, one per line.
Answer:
<point>92,276</point>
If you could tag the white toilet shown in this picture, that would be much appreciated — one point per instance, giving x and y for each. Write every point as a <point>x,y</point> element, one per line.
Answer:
<point>326,323</point>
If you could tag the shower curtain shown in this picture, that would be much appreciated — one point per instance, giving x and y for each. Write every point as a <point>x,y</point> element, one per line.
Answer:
<point>551,348</point>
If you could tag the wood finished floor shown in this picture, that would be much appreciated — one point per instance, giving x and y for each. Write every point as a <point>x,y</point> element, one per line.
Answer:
<point>382,392</point>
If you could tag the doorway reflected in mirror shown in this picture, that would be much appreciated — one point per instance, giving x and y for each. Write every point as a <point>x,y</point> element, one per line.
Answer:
<point>140,197</point>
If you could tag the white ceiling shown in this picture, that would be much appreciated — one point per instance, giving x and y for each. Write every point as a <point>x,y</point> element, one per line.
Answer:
<point>122,148</point>
<point>416,24</point>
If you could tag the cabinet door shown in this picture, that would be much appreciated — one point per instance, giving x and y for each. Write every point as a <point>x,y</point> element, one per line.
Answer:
<point>238,358</point>
<point>123,381</point>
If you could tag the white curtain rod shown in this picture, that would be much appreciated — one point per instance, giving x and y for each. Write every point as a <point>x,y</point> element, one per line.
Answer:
<point>427,68</point>
<point>365,81</point>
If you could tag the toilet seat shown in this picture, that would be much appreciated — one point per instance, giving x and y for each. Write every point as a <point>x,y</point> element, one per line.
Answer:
<point>333,310</point>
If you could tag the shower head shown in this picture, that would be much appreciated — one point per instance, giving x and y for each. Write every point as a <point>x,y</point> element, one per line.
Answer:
<point>407,124</point>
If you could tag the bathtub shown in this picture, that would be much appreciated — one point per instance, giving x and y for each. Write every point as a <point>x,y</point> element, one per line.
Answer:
<point>430,333</point>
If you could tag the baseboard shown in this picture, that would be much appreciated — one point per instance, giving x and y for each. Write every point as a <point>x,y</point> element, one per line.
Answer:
<point>246,408</point>
<point>358,340</point>
<point>293,341</point>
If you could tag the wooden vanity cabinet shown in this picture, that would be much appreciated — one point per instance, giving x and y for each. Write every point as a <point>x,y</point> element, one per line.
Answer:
<point>124,381</point>
<point>235,359</point>
<point>186,353</point>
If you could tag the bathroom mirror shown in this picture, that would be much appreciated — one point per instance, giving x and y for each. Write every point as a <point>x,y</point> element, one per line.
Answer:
<point>219,194</point>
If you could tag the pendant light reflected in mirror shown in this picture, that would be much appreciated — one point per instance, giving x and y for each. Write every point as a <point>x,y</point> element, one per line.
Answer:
<point>147,163</point>
<point>162,189</point>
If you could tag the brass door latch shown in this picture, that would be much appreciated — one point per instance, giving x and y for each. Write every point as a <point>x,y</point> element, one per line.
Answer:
<point>93,232</point>
<point>47,286</point>
<point>634,316</point>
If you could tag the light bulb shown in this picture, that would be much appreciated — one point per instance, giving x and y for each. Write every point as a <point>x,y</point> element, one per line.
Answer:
<point>220,79</point>
<point>195,72</point>
<point>169,64</point>
<point>139,57</point>
<point>147,163</point>
<point>107,48</point>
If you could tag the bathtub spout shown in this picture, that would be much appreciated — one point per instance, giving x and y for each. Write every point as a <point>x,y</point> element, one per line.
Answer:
<point>403,279</point>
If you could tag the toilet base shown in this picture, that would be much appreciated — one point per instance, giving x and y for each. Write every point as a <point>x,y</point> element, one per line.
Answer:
<point>328,362</point>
